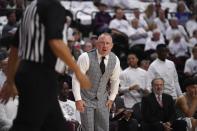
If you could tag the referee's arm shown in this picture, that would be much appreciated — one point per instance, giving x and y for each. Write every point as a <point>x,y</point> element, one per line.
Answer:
<point>62,51</point>
<point>9,88</point>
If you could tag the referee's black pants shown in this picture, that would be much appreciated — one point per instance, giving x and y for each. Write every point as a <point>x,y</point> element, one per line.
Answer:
<point>38,109</point>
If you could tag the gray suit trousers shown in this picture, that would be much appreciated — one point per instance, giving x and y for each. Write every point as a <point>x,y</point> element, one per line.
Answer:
<point>95,119</point>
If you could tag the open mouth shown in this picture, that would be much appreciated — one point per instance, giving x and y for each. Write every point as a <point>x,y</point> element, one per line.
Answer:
<point>104,50</point>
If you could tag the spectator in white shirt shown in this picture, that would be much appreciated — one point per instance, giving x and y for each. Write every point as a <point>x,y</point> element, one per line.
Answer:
<point>119,24</point>
<point>151,28</point>
<point>68,106</point>
<point>174,27</point>
<point>153,41</point>
<point>137,34</point>
<point>164,68</point>
<point>191,64</point>
<point>178,46</point>
<point>191,24</point>
<point>162,22</point>
<point>3,64</point>
<point>142,22</point>
<point>150,14</point>
<point>7,111</point>
<point>133,81</point>
<point>193,40</point>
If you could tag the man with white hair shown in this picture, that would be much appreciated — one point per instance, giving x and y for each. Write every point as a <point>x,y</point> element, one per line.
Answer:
<point>153,41</point>
<point>103,68</point>
<point>158,110</point>
<point>174,26</point>
<point>178,45</point>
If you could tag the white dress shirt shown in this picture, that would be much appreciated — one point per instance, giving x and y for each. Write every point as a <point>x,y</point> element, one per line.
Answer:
<point>120,25</point>
<point>142,22</point>
<point>178,48</point>
<point>193,41</point>
<point>130,77</point>
<point>191,66</point>
<point>171,32</point>
<point>166,70</point>
<point>2,78</point>
<point>84,63</point>
<point>8,113</point>
<point>150,44</point>
<point>139,31</point>
<point>191,25</point>
<point>162,25</point>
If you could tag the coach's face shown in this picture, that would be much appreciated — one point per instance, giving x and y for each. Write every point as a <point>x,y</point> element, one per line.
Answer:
<point>104,44</point>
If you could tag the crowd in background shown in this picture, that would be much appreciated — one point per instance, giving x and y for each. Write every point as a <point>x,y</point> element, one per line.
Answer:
<point>136,43</point>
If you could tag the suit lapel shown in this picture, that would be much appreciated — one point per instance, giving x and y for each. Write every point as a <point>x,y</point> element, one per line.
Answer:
<point>164,100</point>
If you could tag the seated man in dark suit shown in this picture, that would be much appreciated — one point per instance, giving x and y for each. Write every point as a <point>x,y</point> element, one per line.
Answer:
<point>158,110</point>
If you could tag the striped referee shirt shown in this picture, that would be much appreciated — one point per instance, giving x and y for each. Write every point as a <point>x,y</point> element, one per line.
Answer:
<point>42,21</point>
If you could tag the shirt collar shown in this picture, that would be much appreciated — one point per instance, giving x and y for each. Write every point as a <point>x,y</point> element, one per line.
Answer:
<point>161,60</point>
<point>99,55</point>
<point>131,68</point>
<point>156,95</point>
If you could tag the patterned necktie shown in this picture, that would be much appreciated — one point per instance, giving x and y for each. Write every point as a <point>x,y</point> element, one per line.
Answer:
<point>102,65</point>
<point>159,101</point>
